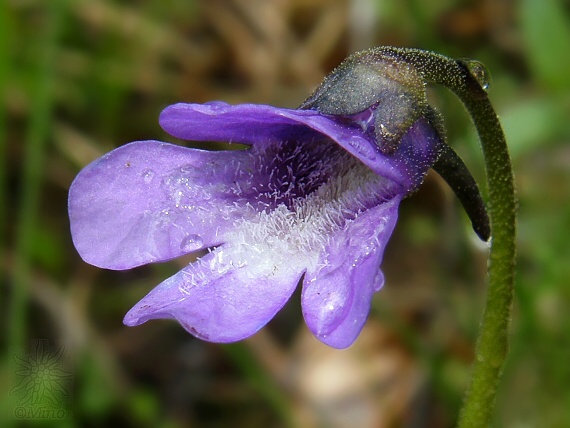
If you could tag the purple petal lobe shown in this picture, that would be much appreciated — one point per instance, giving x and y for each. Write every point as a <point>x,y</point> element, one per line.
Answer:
<point>262,125</point>
<point>336,297</point>
<point>150,201</point>
<point>222,297</point>
<point>417,152</point>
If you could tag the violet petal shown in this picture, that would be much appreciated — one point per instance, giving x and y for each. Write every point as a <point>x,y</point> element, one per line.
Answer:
<point>150,201</point>
<point>217,298</point>
<point>336,298</point>
<point>254,124</point>
<point>418,150</point>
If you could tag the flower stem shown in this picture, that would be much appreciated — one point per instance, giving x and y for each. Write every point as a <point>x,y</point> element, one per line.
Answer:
<point>467,80</point>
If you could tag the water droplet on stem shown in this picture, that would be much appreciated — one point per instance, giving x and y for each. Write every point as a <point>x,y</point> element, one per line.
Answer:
<point>480,72</point>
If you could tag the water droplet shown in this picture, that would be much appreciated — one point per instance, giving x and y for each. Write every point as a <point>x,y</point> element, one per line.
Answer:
<point>480,72</point>
<point>364,151</point>
<point>378,281</point>
<point>191,243</point>
<point>148,175</point>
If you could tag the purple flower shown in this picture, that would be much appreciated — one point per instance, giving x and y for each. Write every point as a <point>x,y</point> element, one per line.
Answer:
<point>313,198</point>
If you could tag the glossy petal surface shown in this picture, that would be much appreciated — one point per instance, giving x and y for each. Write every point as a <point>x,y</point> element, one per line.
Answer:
<point>336,298</point>
<point>220,298</point>
<point>261,125</point>
<point>150,201</point>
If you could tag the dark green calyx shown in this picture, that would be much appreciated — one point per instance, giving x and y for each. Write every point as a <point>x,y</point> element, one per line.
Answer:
<point>373,79</point>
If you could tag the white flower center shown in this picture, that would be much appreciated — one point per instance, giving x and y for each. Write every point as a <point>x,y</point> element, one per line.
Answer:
<point>294,235</point>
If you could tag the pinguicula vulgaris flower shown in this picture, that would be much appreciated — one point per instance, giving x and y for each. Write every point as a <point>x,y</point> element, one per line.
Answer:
<point>313,199</point>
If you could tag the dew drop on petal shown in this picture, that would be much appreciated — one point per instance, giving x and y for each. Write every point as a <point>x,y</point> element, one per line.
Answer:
<point>361,149</point>
<point>378,281</point>
<point>191,243</point>
<point>148,175</point>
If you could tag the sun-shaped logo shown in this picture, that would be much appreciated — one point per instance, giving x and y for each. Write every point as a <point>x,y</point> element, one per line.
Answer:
<point>42,382</point>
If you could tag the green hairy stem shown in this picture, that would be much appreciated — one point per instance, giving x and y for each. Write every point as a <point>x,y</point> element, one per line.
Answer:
<point>468,80</point>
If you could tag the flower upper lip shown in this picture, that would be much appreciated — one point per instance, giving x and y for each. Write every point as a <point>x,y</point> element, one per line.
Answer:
<point>259,124</point>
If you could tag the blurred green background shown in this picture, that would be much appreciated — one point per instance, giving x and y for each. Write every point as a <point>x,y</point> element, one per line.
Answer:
<point>80,77</point>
